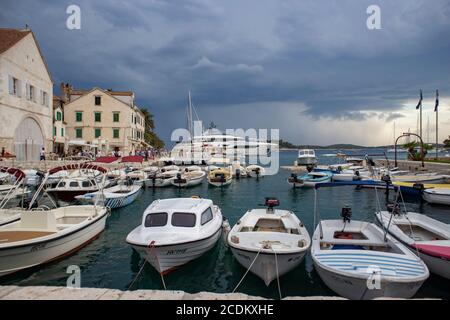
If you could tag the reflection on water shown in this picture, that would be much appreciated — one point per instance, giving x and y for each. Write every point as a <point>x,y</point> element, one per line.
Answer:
<point>110,262</point>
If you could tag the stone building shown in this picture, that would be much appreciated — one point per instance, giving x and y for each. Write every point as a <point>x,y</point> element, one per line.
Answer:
<point>26,95</point>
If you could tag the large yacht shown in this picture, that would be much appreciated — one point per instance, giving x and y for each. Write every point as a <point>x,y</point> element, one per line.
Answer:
<point>212,143</point>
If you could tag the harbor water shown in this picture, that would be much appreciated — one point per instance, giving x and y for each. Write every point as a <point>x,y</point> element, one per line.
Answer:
<point>108,262</point>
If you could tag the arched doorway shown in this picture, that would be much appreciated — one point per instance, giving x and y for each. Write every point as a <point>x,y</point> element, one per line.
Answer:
<point>28,140</point>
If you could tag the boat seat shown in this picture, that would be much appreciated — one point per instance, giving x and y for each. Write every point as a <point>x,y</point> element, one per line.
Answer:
<point>355,243</point>
<point>13,236</point>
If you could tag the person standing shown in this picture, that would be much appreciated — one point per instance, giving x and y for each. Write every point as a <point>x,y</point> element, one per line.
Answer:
<point>42,154</point>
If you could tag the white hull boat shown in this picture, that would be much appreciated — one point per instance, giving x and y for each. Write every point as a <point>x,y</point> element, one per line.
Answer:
<point>176,231</point>
<point>306,157</point>
<point>309,179</point>
<point>358,264</point>
<point>220,177</point>
<point>427,237</point>
<point>437,196</point>
<point>255,171</point>
<point>43,236</point>
<point>162,179</point>
<point>419,178</point>
<point>188,179</point>
<point>270,242</point>
<point>114,197</point>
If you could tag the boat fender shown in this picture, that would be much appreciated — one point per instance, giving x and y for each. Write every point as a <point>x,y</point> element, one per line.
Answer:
<point>226,228</point>
<point>301,243</point>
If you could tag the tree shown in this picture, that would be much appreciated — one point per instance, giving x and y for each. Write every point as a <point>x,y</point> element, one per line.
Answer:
<point>413,153</point>
<point>447,143</point>
<point>149,135</point>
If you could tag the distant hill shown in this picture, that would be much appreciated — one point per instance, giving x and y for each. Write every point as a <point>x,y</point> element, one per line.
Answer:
<point>340,146</point>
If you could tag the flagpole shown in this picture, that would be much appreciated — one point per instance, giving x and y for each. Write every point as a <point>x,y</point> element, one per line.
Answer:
<point>436,109</point>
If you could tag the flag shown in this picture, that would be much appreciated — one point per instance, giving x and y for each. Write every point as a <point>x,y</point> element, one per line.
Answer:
<point>437,101</point>
<point>420,100</point>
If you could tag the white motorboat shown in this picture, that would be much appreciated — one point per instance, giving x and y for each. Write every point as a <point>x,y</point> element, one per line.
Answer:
<point>271,242</point>
<point>425,236</point>
<point>220,177</point>
<point>114,197</point>
<point>161,179</point>
<point>137,176</point>
<point>74,185</point>
<point>176,231</point>
<point>306,157</point>
<point>351,175</point>
<point>420,178</point>
<point>12,187</point>
<point>43,236</point>
<point>255,171</point>
<point>188,179</point>
<point>358,260</point>
<point>437,196</point>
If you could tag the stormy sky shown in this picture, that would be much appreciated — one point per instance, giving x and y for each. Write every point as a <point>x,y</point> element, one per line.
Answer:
<point>309,68</point>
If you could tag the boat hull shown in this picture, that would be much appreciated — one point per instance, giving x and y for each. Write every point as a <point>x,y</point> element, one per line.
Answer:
<point>69,195</point>
<point>185,183</point>
<point>265,267</point>
<point>17,258</point>
<point>355,288</point>
<point>168,257</point>
<point>158,182</point>
<point>437,198</point>
<point>306,161</point>
<point>220,183</point>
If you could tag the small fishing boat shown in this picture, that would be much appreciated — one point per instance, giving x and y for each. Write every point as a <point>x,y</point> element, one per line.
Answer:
<point>176,231</point>
<point>270,242</point>
<point>255,171</point>
<point>427,237</point>
<point>161,179</point>
<point>137,176</point>
<point>349,175</point>
<point>437,196</point>
<point>188,179</point>
<point>417,189</point>
<point>358,260</point>
<point>420,178</point>
<point>310,179</point>
<point>43,236</point>
<point>114,197</point>
<point>220,177</point>
<point>306,157</point>
<point>74,185</point>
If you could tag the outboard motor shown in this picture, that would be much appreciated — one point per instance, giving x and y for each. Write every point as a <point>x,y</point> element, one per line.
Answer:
<point>309,168</point>
<point>238,173</point>
<point>271,202</point>
<point>346,214</point>
<point>419,187</point>
<point>257,173</point>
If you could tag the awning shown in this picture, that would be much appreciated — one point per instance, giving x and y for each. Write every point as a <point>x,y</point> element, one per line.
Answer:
<point>106,159</point>
<point>81,143</point>
<point>132,159</point>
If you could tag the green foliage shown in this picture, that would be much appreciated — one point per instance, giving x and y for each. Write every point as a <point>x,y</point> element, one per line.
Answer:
<point>149,135</point>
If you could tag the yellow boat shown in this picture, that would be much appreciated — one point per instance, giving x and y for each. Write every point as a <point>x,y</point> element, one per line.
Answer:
<point>219,177</point>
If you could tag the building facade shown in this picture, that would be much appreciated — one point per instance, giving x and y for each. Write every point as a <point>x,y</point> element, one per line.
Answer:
<point>26,94</point>
<point>59,127</point>
<point>103,120</point>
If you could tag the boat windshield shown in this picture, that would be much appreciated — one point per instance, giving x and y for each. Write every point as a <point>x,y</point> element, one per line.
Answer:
<point>183,219</point>
<point>158,219</point>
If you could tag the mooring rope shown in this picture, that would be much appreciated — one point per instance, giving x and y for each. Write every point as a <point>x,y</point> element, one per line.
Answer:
<point>245,274</point>
<point>278,276</point>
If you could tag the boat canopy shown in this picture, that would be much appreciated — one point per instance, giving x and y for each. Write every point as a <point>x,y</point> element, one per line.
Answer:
<point>106,159</point>
<point>350,183</point>
<point>132,159</point>
<point>19,174</point>
<point>77,166</point>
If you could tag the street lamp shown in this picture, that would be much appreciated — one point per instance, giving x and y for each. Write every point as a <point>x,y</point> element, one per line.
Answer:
<point>408,134</point>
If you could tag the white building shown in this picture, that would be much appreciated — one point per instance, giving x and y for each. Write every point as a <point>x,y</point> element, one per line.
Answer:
<point>26,94</point>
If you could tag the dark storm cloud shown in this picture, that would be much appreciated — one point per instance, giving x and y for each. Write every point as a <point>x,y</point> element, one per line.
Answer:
<point>315,53</point>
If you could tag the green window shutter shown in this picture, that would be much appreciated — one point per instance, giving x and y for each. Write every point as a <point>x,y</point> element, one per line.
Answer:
<point>79,133</point>
<point>115,133</point>
<point>115,117</point>
<point>62,132</point>
<point>98,133</point>
<point>54,131</point>
<point>98,117</point>
<point>79,116</point>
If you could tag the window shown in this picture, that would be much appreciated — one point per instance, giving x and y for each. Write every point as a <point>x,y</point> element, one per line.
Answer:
<point>115,133</point>
<point>97,132</point>
<point>31,94</point>
<point>14,87</point>
<point>44,98</point>
<point>79,133</point>
<point>73,184</point>
<point>115,117</point>
<point>58,116</point>
<point>207,216</point>
<point>98,100</point>
<point>182,219</point>
<point>62,132</point>
<point>97,116</point>
<point>54,131</point>
<point>156,220</point>
<point>85,184</point>
<point>79,116</point>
